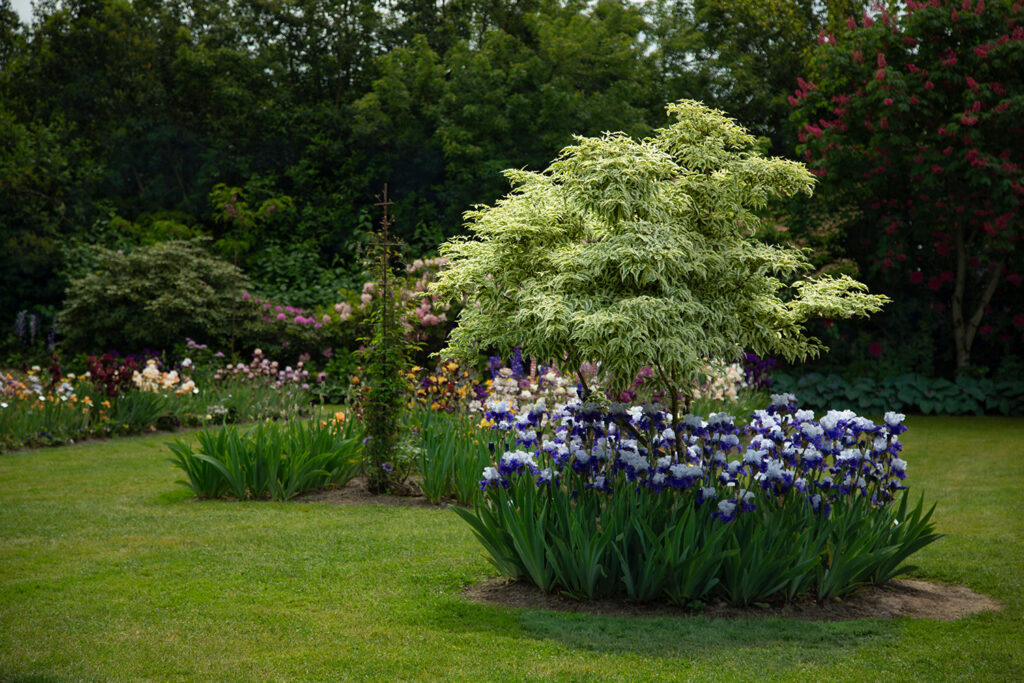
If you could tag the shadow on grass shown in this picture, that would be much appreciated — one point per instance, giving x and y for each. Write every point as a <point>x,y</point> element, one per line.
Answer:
<point>25,678</point>
<point>178,495</point>
<point>668,637</point>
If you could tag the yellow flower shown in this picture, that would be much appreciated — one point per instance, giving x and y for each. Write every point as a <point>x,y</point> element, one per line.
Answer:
<point>452,366</point>
<point>339,417</point>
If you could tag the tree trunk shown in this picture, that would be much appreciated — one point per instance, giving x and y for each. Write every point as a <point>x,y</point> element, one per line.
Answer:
<point>963,332</point>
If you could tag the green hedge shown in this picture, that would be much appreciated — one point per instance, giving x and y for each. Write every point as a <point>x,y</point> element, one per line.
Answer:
<point>907,393</point>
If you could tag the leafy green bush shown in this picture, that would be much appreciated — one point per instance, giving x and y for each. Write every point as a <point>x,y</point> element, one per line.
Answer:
<point>155,296</point>
<point>908,392</point>
<point>272,460</point>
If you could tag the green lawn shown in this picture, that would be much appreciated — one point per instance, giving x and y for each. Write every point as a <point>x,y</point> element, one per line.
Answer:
<point>108,571</point>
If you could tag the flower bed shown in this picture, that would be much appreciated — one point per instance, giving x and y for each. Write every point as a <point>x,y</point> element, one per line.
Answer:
<point>113,397</point>
<point>626,501</point>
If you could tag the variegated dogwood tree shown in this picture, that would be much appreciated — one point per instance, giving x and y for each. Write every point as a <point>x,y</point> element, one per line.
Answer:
<point>640,253</point>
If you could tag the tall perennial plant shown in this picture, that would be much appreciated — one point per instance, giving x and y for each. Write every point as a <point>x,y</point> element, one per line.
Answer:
<point>632,501</point>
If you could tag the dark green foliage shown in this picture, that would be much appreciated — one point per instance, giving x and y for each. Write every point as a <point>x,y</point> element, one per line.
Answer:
<point>743,56</point>
<point>275,460</point>
<point>135,109</point>
<point>911,393</point>
<point>154,297</point>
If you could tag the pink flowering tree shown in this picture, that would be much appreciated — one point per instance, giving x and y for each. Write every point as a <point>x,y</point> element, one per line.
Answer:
<point>914,123</point>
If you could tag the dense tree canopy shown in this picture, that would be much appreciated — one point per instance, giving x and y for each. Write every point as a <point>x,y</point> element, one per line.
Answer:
<point>120,118</point>
<point>133,111</point>
<point>913,122</point>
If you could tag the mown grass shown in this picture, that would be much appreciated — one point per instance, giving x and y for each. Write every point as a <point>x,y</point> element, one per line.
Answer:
<point>109,571</point>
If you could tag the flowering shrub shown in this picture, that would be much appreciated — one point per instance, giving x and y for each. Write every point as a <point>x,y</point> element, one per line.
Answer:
<point>262,370</point>
<point>110,375</point>
<point>912,121</point>
<point>152,379</point>
<point>631,501</point>
<point>292,331</point>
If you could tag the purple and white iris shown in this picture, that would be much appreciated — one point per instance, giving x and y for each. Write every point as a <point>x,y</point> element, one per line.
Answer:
<point>783,453</point>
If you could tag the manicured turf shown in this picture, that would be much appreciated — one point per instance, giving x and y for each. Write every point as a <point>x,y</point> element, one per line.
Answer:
<point>108,571</point>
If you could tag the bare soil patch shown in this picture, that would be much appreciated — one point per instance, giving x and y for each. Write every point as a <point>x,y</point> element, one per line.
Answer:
<point>900,598</point>
<point>355,493</point>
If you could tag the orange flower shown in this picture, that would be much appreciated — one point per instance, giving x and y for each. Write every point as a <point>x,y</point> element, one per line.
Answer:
<point>339,417</point>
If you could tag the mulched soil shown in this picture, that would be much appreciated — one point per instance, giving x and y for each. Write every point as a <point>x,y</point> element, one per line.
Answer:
<point>899,598</point>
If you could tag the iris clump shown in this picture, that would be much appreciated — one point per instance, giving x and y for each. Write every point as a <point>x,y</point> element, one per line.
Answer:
<point>631,501</point>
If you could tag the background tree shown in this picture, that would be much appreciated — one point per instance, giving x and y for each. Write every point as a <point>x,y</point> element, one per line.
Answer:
<point>639,253</point>
<point>913,122</point>
<point>743,55</point>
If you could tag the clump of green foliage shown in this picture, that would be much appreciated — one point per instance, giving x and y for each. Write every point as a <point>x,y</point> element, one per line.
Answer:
<point>155,296</point>
<point>385,358</point>
<point>641,253</point>
<point>272,460</point>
